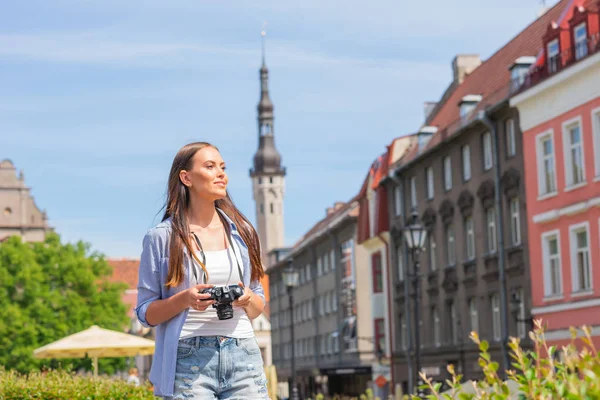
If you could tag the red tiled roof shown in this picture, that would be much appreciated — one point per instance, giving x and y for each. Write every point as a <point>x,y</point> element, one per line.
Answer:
<point>125,270</point>
<point>491,79</point>
<point>493,74</point>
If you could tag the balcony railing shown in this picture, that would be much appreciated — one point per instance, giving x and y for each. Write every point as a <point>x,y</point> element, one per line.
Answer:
<point>562,60</point>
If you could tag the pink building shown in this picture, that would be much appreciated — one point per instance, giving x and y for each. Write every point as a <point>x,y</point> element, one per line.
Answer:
<point>559,108</point>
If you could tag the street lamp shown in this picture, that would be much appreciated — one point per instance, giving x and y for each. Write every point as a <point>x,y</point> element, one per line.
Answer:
<point>290,278</point>
<point>415,235</point>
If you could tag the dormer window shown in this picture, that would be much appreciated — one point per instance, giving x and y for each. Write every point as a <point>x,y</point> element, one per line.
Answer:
<point>424,135</point>
<point>580,39</point>
<point>468,104</point>
<point>519,70</point>
<point>552,54</point>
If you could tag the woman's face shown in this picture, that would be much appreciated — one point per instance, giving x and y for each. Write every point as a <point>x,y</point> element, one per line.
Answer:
<point>207,178</point>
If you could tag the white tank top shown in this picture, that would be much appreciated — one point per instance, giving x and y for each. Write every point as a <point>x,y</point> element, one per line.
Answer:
<point>222,270</point>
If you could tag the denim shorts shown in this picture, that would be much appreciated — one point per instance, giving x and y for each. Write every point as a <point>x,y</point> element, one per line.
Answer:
<point>218,367</point>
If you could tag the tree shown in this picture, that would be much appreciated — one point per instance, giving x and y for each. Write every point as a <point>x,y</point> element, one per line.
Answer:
<point>51,290</point>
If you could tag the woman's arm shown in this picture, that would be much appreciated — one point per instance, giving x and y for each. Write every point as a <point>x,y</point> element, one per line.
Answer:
<point>160,311</point>
<point>252,301</point>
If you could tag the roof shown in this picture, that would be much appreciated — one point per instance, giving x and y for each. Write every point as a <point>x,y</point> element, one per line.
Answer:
<point>125,270</point>
<point>491,80</point>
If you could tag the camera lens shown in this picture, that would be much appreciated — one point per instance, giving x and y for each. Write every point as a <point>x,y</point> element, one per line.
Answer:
<point>225,311</point>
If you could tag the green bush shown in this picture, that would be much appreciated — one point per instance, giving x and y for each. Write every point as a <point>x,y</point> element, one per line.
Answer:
<point>540,374</point>
<point>59,384</point>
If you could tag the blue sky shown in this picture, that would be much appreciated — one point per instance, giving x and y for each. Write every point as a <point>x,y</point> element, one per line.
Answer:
<point>97,96</point>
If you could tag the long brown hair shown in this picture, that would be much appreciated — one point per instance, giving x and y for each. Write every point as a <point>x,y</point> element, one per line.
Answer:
<point>176,208</point>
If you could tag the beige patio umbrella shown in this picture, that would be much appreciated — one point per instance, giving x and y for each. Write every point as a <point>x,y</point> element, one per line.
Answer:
<point>95,343</point>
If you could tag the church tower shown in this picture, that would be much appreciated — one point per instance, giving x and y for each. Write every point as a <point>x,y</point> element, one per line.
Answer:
<point>268,176</point>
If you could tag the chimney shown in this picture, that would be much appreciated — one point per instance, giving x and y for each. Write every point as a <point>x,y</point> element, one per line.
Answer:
<point>463,65</point>
<point>329,211</point>
<point>428,108</point>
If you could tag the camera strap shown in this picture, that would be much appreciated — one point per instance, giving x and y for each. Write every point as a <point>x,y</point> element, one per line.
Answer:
<point>228,234</point>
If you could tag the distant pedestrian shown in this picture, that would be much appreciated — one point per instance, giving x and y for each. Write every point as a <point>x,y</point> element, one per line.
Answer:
<point>133,377</point>
<point>204,243</point>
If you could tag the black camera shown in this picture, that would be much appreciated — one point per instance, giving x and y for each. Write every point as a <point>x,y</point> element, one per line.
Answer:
<point>224,296</point>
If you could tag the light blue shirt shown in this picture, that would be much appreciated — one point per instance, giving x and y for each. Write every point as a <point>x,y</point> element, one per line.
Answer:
<point>152,279</point>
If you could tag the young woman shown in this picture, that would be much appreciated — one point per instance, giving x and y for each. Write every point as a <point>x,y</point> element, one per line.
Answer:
<point>203,242</point>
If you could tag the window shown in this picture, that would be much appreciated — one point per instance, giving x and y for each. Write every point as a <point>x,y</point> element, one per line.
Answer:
<point>521,327</point>
<point>308,273</point>
<point>596,134</point>
<point>430,183</point>
<point>552,265</point>
<point>321,306</point>
<point>488,159</point>
<point>453,322</point>
<point>319,266</point>
<point>432,253</point>
<point>515,221</point>
<point>450,249</point>
<point>380,334</point>
<point>546,164</point>
<point>372,200</point>
<point>470,236</point>
<point>270,179</point>
<point>377,272</point>
<point>511,140</point>
<point>581,46</point>
<point>491,229</point>
<point>262,208</point>
<point>398,200</point>
<point>466,163</point>
<point>403,332</point>
<point>574,160</point>
<point>272,208</point>
<point>495,300</point>
<point>447,173</point>
<point>413,192</point>
<point>473,315</point>
<point>332,257</point>
<point>399,256</point>
<point>435,318</point>
<point>552,51</point>
<point>580,257</point>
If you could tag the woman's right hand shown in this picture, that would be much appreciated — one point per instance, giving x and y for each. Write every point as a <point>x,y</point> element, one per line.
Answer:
<point>197,300</point>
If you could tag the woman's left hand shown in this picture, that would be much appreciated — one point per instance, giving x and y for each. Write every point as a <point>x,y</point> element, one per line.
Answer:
<point>245,299</point>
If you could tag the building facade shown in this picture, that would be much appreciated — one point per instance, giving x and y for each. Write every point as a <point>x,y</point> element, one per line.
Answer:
<point>463,175</point>
<point>559,107</point>
<point>19,215</point>
<point>331,310</point>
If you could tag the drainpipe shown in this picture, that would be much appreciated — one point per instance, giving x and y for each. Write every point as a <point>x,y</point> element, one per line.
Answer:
<point>485,119</point>
<point>390,314</point>
<point>406,289</point>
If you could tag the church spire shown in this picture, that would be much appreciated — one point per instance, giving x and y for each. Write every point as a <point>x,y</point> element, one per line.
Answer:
<point>267,159</point>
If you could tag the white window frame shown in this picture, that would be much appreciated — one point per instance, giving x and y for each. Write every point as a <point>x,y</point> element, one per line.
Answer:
<point>450,245</point>
<point>308,273</point>
<point>398,200</point>
<point>568,148</point>
<point>496,320</point>
<point>543,190</point>
<point>448,173</point>
<point>466,162</point>
<point>473,315</point>
<point>332,259</point>
<point>596,137</point>
<point>470,237</point>
<point>552,68</point>
<point>400,263</point>
<point>319,266</point>
<point>435,318</point>
<point>488,155</point>
<point>521,324</point>
<point>511,137</point>
<point>580,52</point>
<point>515,221</point>
<point>492,232</point>
<point>576,279</point>
<point>413,192</point>
<point>430,182</point>
<point>453,324</point>
<point>432,253</point>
